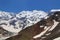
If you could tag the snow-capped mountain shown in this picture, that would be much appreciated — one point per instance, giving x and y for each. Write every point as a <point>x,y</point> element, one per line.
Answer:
<point>15,23</point>
<point>31,17</point>
<point>22,19</point>
<point>5,15</point>
<point>50,26</point>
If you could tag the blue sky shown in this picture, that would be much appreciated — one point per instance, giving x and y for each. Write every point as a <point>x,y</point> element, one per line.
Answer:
<point>20,5</point>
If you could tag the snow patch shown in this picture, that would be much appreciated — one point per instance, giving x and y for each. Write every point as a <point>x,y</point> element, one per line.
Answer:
<point>42,33</point>
<point>57,38</point>
<point>55,24</point>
